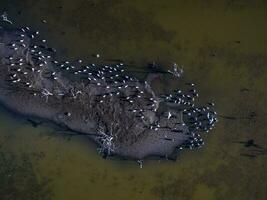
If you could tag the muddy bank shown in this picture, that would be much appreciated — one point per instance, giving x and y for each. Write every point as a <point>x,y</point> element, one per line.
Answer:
<point>125,114</point>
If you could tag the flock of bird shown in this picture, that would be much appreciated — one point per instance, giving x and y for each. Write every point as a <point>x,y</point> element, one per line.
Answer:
<point>111,81</point>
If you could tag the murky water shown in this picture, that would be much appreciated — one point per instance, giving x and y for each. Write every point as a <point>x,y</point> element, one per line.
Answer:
<point>223,48</point>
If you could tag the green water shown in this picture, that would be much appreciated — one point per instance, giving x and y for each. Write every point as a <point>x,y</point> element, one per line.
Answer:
<point>223,48</point>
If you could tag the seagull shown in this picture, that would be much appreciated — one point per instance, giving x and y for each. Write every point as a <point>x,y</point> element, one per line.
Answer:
<point>140,162</point>
<point>169,115</point>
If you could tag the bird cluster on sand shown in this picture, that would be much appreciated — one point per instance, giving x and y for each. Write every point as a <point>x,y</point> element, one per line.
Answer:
<point>197,119</point>
<point>109,81</point>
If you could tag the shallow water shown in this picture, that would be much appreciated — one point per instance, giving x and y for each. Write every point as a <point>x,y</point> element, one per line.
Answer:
<point>223,48</point>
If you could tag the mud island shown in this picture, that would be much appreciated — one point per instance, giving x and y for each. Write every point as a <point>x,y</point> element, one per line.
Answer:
<point>122,114</point>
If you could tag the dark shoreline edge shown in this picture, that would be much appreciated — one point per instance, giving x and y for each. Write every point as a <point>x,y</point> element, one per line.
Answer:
<point>62,129</point>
